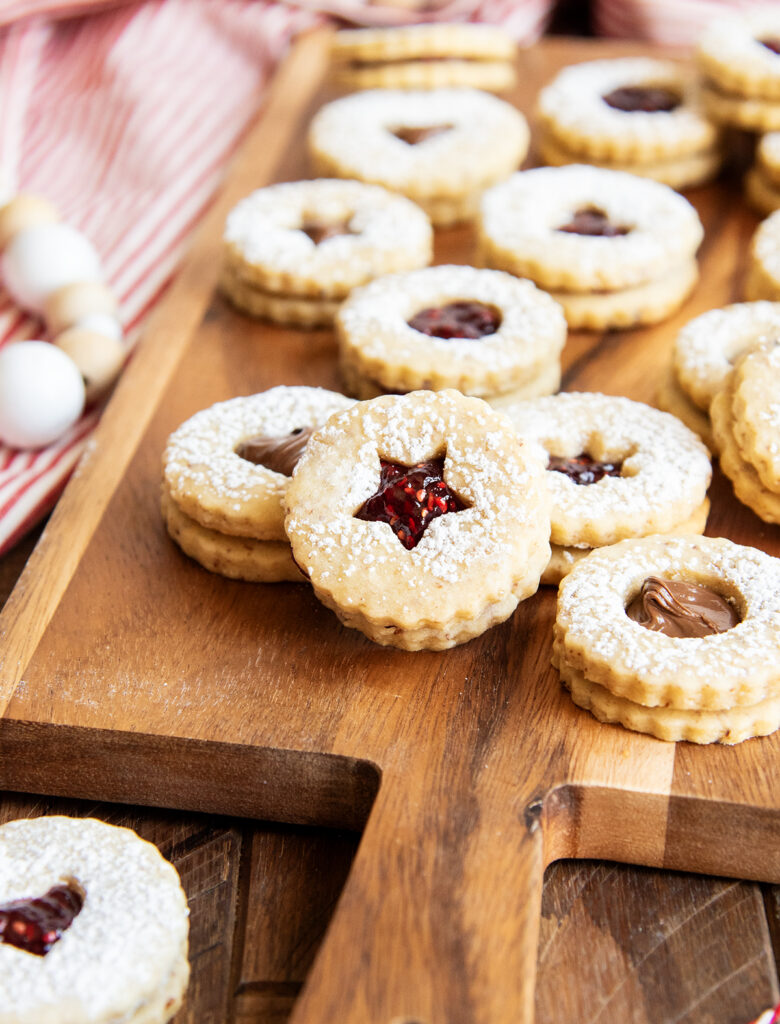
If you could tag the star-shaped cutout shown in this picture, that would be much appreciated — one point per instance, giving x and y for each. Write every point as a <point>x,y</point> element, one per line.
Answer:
<point>409,498</point>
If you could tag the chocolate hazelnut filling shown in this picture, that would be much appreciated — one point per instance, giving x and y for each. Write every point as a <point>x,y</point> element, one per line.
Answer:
<point>409,498</point>
<point>36,924</point>
<point>649,99</point>
<point>320,232</point>
<point>589,220</point>
<point>582,469</point>
<point>412,136</point>
<point>772,43</point>
<point>467,319</point>
<point>679,609</point>
<point>279,454</point>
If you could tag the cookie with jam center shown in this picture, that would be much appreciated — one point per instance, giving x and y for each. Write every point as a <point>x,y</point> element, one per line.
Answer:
<point>483,332</point>
<point>632,114</point>
<point>292,252</point>
<point>615,469</point>
<point>93,925</point>
<point>441,148</point>
<point>420,519</point>
<point>613,249</point>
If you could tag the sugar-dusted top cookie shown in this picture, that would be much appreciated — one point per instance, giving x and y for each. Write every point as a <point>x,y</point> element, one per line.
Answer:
<point>480,331</point>
<point>228,466</point>
<point>440,143</point>
<point>93,925</point>
<point>637,230</point>
<point>324,237</point>
<point>616,468</point>
<point>630,108</point>
<point>740,52</point>
<point>420,519</point>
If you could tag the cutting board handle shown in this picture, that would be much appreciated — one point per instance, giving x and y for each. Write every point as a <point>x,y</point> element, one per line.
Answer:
<point>439,919</point>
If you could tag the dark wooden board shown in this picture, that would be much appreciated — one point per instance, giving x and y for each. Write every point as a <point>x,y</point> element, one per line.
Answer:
<point>131,674</point>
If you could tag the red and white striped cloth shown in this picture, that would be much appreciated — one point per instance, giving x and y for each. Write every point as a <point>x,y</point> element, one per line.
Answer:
<point>124,117</point>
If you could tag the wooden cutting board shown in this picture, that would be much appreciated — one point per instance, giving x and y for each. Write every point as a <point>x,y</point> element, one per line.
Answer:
<point>129,673</point>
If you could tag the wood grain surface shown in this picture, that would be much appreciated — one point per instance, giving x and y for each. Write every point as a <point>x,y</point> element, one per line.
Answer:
<point>154,682</point>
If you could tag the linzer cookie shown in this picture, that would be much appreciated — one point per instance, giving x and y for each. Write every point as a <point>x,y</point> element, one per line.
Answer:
<point>762,280</point>
<point>762,181</point>
<point>632,114</point>
<point>440,148</point>
<point>739,57</point>
<point>420,519</point>
<point>746,422</point>
<point>704,354</point>
<point>93,925</point>
<point>292,252</point>
<point>225,471</point>
<point>613,249</point>
<point>427,56</point>
<point>678,637</point>
<point>481,331</point>
<point>615,469</point>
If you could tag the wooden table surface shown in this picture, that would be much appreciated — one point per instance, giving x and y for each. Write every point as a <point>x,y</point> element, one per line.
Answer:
<point>617,943</point>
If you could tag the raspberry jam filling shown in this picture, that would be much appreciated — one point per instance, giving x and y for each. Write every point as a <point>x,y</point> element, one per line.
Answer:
<point>319,231</point>
<point>582,469</point>
<point>589,220</point>
<point>469,320</point>
<point>35,925</point>
<point>650,99</point>
<point>409,498</point>
<point>772,43</point>
<point>411,136</point>
<point>279,454</point>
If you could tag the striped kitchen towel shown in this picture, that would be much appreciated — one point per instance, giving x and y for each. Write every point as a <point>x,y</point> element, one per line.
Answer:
<point>124,115</point>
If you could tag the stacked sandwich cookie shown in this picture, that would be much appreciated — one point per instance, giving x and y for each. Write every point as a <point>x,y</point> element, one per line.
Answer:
<point>739,58</point>
<point>425,57</point>
<point>440,148</point>
<point>762,181</point>
<point>678,637</point>
<point>93,925</point>
<point>746,423</point>
<point>762,280</point>
<point>615,469</point>
<point>293,252</point>
<point>613,249</point>
<point>482,332</point>
<point>632,114</point>
<point>225,472</point>
<point>421,519</point>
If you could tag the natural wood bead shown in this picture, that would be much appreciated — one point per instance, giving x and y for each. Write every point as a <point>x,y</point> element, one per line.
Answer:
<point>65,307</point>
<point>22,212</point>
<point>98,357</point>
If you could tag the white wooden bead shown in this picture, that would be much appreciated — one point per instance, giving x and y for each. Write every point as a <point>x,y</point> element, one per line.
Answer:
<point>24,212</point>
<point>45,257</point>
<point>41,394</point>
<point>101,323</point>
<point>68,305</point>
<point>98,357</point>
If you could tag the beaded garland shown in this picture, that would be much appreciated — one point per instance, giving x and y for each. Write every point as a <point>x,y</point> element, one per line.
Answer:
<point>53,271</point>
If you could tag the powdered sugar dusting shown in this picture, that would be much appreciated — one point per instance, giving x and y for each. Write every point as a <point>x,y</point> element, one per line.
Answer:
<point>665,475</point>
<point>486,544</point>
<point>521,217</point>
<point>123,947</point>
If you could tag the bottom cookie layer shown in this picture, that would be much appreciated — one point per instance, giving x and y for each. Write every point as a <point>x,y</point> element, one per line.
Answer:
<point>671,398</point>
<point>238,558</point>
<point>730,726</point>
<point>646,303</point>
<point>563,558</point>
<point>291,310</point>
